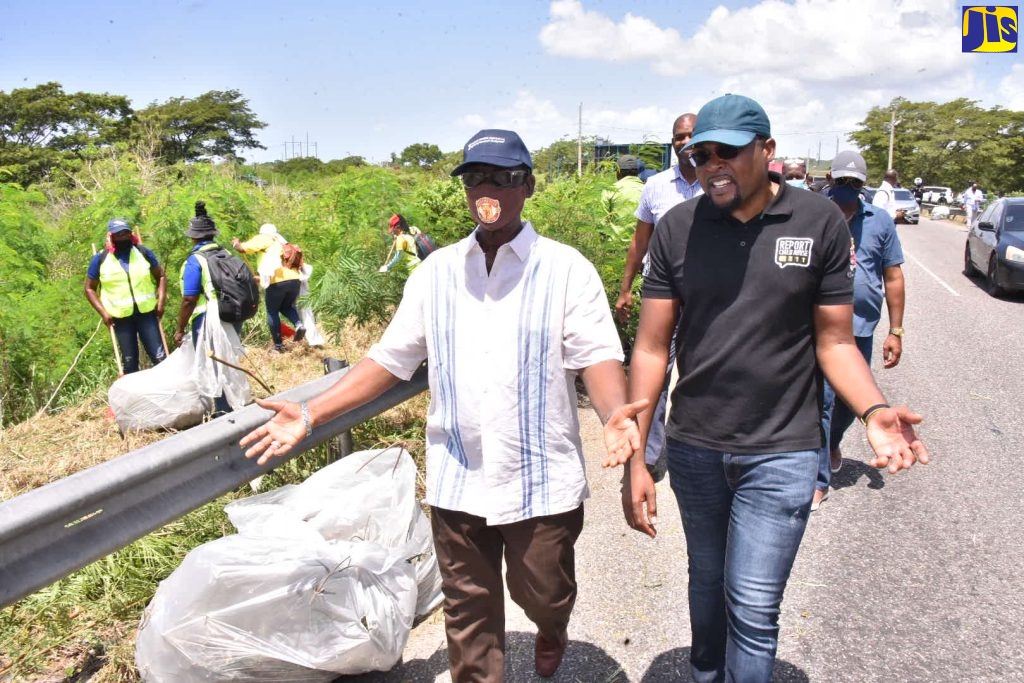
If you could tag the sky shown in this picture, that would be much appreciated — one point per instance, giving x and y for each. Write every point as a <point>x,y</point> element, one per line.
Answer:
<point>370,78</point>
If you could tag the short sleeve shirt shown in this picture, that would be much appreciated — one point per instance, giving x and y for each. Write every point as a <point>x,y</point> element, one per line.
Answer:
<point>663,191</point>
<point>885,198</point>
<point>503,349</point>
<point>748,375</point>
<point>93,271</point>
<point>877,247</point>
<point>192,273</point>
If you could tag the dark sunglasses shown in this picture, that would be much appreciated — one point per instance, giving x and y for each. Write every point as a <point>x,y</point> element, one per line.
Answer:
<point>503,178</point>
<point>855,183</point>
<point>702,155</point>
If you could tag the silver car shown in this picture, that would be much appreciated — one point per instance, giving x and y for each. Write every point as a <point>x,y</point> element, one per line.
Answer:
<point>906,203</point>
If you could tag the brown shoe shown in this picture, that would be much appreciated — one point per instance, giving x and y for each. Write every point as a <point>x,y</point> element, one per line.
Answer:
<point>547,656</point>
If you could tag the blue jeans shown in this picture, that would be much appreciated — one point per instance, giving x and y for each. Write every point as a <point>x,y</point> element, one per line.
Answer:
<point>139,326</point>
<point>744,517</point>
<point>836,418</point>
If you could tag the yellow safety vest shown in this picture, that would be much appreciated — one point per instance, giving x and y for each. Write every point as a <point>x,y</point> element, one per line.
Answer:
<point>121,291</point>
<point>208,293</point>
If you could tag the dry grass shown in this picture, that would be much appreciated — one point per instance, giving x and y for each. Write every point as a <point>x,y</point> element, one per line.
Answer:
<point>49,447</point>
<point>46,448</point>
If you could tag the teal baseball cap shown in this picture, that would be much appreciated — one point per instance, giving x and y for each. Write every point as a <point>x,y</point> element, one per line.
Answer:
<point>730,120</point>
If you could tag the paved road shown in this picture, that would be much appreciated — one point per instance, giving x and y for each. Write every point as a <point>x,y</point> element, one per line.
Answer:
<point>908,578</point>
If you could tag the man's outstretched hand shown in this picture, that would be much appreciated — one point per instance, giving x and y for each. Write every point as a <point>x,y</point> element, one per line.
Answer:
<point>621,434</point>
<point>279,434</point>
<point>891,435</point>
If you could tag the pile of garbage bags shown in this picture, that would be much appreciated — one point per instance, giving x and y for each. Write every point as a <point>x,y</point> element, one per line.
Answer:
<point>323,578</point>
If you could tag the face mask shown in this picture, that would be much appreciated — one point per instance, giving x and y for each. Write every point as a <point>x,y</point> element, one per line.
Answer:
<point>121,243</point>
<point>488,210</point>
<point>797,182</point>
<point>844,194</point>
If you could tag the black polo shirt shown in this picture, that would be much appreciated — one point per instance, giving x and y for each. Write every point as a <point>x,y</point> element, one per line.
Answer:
<point>748,378</point>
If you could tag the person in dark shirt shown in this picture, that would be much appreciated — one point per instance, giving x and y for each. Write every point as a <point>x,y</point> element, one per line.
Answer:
<point>758,276</point>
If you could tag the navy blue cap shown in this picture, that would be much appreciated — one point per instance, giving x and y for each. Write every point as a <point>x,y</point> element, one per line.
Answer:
<point>118,225</point>
<point>496,148</point>
<point>730,120</point>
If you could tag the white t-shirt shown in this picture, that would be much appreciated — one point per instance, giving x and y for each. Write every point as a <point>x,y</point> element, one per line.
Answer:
<point>885,198</point>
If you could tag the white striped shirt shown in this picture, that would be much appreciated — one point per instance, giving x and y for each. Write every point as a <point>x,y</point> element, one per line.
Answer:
<point>663,191</point>
<point>503,350</point>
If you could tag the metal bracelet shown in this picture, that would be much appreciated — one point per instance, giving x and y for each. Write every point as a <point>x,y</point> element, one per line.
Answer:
<point>307,421</point>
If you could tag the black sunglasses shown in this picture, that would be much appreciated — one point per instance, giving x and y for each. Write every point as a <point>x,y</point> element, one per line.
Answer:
<point>855,183</point>
<point>503,178</point>
<point>702,155</point>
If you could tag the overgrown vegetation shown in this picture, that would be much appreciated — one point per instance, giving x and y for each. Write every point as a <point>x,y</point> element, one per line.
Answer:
<point>85,624</point>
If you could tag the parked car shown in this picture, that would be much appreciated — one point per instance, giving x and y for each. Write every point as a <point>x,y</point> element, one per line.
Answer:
<point>905,201</point>
<point>932,194</point>
<point>995,246</point>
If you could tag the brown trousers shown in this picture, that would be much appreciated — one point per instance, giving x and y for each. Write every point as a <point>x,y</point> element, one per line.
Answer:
<point>541,575</point>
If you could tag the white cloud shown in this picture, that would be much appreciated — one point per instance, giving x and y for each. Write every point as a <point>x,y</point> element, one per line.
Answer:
<point>817,66</point>
<point>1011,88</point>
<point>879,42</point>
<point>575,32</point>
<point>538,121</point>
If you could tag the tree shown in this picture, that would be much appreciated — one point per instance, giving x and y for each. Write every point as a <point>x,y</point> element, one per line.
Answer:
<point>952,144</point>
<point>43,127</point>
<point>420,154</point>
<point>339,165</point>
<point>215,124</point>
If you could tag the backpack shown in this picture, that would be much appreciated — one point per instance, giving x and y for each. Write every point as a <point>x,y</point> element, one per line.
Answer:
<point>238,295</point>
<point>425,245</point>
<point>291,256</point>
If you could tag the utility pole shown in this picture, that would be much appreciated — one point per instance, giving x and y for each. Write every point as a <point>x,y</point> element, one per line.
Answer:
<point>892,135</point>
<point>579,144</point>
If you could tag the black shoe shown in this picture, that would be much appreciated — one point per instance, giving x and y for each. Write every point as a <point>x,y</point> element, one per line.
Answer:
<point>300,334</point>
<point>279,348</point>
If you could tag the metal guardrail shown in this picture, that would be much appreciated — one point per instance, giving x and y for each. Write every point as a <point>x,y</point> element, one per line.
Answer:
<point>48,533</point>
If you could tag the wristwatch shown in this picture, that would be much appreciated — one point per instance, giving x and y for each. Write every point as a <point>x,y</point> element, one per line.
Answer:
<point>896,332</point>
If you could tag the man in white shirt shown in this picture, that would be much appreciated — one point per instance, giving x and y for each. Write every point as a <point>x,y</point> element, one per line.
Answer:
<point>972,199</point>
<point>505,319</point>
<point>885,198</point>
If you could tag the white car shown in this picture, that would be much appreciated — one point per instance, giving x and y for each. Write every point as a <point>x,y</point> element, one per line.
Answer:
<point>937,195</point>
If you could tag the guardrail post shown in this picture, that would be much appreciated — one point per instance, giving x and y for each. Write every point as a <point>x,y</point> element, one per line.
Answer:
<point>341,445</point>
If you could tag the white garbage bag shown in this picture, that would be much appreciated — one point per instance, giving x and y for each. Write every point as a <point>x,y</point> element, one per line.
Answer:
<point>165,396</point>
<point>323,578</point>
<point>213,378</point>
<point>313,335</point>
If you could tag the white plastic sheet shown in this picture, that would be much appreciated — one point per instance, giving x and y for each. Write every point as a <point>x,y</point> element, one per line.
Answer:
<point>323,578</point>
<point>213,378</point>
<point>165,396</point>
<point>313,335</point>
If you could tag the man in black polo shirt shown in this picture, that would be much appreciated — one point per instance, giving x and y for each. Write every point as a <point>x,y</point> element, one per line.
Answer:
<point>761,277</point>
